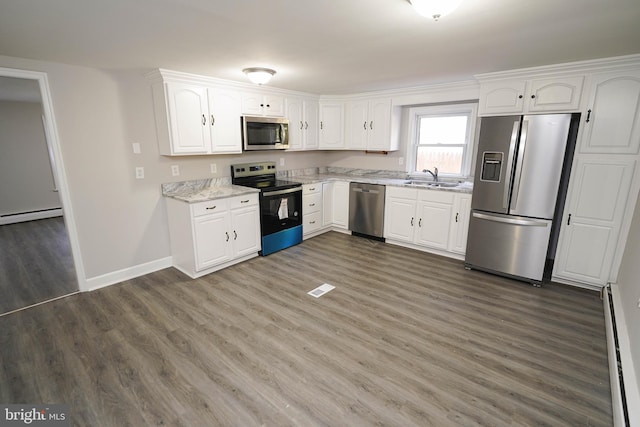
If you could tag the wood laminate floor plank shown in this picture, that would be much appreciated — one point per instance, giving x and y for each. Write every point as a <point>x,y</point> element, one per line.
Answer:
<point>405,339</point>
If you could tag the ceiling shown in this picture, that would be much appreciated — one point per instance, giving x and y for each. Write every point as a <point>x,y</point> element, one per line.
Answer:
<point>328,47</point>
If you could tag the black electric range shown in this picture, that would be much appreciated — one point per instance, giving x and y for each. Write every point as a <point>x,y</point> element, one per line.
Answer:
<point>280,204</point>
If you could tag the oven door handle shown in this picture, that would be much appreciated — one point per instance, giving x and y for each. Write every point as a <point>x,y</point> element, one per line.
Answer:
<point>279,192</point>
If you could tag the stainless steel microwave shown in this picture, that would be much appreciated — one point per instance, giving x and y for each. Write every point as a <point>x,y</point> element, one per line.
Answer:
<point>265,133</point>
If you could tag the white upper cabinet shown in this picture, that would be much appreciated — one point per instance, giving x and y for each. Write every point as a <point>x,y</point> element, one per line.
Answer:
<point>530,96</point>
<point>303,123</point>
<point>370,125</point>
<point>187,111</point>
<point>331,126</point>
<point>260,104</point>
<point>612,122</point>
<point>194,119</point>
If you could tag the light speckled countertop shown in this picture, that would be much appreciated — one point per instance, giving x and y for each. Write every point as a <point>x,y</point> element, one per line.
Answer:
<point>202,190</point>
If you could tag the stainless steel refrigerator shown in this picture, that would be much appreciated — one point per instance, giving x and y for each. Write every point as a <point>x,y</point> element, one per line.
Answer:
<point>519,170</point>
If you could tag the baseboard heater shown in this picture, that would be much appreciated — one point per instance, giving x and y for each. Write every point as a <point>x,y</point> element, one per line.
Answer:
<point>30,216</point>
<point>624,393</point>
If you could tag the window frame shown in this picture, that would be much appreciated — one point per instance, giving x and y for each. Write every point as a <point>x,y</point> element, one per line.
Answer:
<point>442,110</point>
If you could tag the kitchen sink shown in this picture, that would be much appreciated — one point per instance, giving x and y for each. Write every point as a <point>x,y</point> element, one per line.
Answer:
<point>432,184</point>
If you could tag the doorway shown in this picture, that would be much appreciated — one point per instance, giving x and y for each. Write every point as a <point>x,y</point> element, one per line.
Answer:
<point>39,254</point>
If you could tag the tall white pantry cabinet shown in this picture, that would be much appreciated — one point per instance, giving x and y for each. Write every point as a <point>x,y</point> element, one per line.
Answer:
<point>604,183</point>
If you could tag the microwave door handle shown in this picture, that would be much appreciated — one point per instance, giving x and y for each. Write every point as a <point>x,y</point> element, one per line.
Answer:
<point>519,164</point>
<point>512,152</point>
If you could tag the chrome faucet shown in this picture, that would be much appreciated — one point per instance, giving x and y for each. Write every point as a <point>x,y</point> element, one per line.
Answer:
<point>434,174</point>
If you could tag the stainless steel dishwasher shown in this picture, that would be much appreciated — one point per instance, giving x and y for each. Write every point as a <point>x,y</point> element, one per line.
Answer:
<point>366,209</point>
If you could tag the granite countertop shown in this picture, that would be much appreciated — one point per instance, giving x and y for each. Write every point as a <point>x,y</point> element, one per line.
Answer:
<point>203,190</point>
<point>464,187</point>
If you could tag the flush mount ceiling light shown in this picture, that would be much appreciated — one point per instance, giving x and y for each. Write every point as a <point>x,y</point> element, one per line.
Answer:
<point>435,8</point>
<point>259,75</point>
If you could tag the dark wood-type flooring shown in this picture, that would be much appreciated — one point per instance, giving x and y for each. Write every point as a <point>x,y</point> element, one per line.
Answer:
<point>35,263</point>
<point>405,339</point>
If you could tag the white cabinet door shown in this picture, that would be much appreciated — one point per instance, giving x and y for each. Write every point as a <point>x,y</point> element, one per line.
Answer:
<point>379,124</point>
<point>311,119</point>
<point>224,113</point>
<point>260,104</point>
<point>331,126</point>
<point>296,124</point>
<point>555,94</point>
<point>400,218</point>
<point>188,119</point>
<point>341,204</point>
<point>245,227</point>
<point>433,222</point>
<point>460,223</point>
<point>327,203</point>
<point>502,97</point>
<point>357,128</point>
<point>212,240</point>
<point>592,220</point>
<point>612,123</point>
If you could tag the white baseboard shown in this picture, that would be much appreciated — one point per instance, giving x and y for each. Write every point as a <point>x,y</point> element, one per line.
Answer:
<point>631,389</point>
<point>114,277</point>
<point>30,216</point>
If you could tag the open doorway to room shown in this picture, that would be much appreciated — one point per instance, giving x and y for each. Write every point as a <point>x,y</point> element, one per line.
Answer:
<point>36,258</point>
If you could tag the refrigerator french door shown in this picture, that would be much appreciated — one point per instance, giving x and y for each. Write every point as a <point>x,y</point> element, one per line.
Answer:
<point>518,174</point>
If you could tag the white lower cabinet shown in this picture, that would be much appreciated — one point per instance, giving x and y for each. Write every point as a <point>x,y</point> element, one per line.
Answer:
<point>208,236</point>
<point>311,208</point>
<point>431,219</point>
<point>596,205</point>
<point>340,208</point>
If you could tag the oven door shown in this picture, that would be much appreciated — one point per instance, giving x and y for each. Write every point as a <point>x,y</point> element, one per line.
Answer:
<point>280,210</point>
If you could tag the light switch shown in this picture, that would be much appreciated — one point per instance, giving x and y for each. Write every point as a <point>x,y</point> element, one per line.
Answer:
<point>175,170</point>
<point>281,161</point>
<point>401,161</point>
<point>139,172</point>
<point>214,168</point>
<point>136,148</point>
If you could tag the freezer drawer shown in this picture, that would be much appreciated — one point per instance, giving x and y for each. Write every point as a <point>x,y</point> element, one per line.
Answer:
<point>512,245</point>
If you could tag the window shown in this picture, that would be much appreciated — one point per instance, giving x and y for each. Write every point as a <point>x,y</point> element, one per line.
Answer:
<point>442,136</point>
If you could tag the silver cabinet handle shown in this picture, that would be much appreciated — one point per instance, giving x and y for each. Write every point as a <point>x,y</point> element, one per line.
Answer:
<point>244,201</point>
<point>235,235</point>
<point>311,204</point>
<point>210,208</point>
<point>227,235</point>
<point>420,222</point>
<point>213,120</point>
<point>301,125</point>
<point>204,120</point>
<point>312,222</point>
<point>321,125</point>
<point>456,216</point>
<point>371,125</point>
<point>412,221</point>
<point>365,125</point>
<point>312,189</point>
<point>306,125</point>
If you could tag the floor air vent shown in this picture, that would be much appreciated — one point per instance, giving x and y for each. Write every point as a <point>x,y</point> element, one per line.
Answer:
<point>321,290</point>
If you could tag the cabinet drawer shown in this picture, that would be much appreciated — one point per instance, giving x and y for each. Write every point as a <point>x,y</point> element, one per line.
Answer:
<point>312,188</point>
<point>436,196</point>
<point>206,208</point>
<point>243,201</point>
<point>311,203</point>
<point>402,192</point>
<point>312,222</point>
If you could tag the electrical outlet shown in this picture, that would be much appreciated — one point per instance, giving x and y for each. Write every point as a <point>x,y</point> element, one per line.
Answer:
<point>139,172</point>
<point>281,161</point>
<point>136,148</point>
<point>175,170</point>
<point>401,161</point>
<point>214,168</point>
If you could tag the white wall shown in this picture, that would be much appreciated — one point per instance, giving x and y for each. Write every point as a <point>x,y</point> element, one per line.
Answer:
<point>26,179</point>
<point>121,222</point>
<point>629,288</point>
